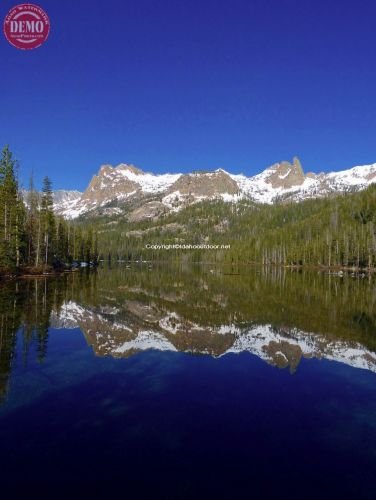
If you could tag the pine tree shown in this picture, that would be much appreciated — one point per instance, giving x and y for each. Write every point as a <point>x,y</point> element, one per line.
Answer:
<point>32,224</point>
<point>62,250</point>
<point>89,245</point>
<point>47,221</point>
<point>10,211</point>
<point>95,248</point>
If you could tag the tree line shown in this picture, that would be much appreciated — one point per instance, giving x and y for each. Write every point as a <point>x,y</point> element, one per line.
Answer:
<point>336,231</point>
<point>32,236</point>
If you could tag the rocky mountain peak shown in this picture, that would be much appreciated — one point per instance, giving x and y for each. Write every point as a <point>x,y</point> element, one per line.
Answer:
<point>205,184</point>
<point>110,183</point>
<point>297,165</point>
<point>158,194</point>
<point>130,168</point>
<point>105,169</point>
<point>108,169</point>
<point>285,174</point>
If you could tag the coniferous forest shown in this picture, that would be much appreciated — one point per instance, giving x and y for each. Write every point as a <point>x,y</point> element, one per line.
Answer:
<point>331,232</point>
<point>336,231</point>
<point>32,238</point>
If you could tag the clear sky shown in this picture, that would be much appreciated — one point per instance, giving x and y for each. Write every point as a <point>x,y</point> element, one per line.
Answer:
<point>175,85</point>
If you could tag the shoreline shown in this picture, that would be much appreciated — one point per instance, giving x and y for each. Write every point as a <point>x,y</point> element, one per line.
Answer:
<point>309,267</point>
<point>330,270</point>
<point>29,274</point>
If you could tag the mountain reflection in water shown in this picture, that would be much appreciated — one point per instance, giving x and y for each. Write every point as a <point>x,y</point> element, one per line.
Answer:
<point>174,381</point>
<point>279,316</point>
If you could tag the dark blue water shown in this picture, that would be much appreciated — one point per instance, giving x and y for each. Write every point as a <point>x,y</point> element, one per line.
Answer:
<point>188,426</point>
<point>78,416</point>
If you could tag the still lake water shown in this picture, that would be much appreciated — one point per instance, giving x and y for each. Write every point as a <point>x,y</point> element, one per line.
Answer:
<point>190,382</point>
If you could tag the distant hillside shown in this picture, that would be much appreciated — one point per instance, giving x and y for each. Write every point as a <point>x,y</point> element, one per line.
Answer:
<point>334,231</point>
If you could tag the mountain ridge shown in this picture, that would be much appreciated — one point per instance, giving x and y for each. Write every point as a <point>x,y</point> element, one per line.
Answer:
<point>127,184</point>
<point>167,331</point>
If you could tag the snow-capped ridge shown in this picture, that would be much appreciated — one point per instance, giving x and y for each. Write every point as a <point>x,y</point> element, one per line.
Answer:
<point>126,183</point>
<point>279,347</point>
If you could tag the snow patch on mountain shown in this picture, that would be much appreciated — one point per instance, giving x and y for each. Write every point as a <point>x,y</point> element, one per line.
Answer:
<point>258,338</point>
<point>359,176</point>
<point>277,346</point>
<point>125,183</point>
<point>146,340</point>
<point>149,183</point>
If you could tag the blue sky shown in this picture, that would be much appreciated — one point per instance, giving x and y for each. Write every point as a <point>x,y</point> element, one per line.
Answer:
<point>175,85</point>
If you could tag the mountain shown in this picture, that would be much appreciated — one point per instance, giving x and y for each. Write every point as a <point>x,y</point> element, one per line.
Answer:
<point>149,328</point>
<point>64,199</point>
<point>146,195</point>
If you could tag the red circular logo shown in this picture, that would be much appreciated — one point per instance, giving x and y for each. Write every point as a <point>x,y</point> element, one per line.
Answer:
<point>26,26</point>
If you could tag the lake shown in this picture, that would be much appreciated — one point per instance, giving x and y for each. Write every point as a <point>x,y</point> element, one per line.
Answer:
<point>189,381</point>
